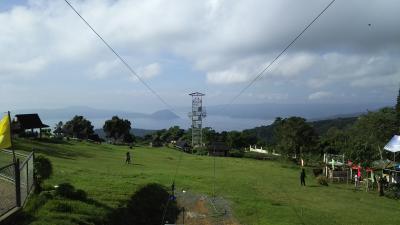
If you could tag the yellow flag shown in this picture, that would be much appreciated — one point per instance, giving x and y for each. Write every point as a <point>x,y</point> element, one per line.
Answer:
<point>5,132</point>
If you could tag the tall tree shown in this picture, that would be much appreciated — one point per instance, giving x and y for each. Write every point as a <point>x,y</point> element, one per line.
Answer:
<point>117,128</point>
<point>295,136</point>
<point>78,127</point>
<point>369,135</point>
<point>58,129</point>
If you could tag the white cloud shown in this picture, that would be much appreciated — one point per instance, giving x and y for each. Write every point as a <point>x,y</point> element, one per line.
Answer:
<point>319,95</point>
<point>227,41</point>
<point>150,71</point>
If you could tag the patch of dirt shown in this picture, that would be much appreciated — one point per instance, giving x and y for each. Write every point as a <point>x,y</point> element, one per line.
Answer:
<point>204,210</point>
<point>7,196</point>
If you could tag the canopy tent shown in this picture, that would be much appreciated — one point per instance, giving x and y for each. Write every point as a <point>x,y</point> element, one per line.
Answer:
<point>393,145</point>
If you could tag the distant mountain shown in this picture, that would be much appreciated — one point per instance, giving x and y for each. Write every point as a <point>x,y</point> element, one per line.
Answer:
<point>164,115</point>
<point>134,131</point>
<point>91,113</point>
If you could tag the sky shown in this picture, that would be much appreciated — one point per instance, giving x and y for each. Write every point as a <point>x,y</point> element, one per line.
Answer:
<point>50,59</point>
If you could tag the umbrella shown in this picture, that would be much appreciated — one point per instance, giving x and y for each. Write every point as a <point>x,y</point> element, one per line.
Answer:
<point>393,145</point>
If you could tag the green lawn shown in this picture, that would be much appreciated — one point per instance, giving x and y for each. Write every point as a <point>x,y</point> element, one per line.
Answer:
<point>260,192</point>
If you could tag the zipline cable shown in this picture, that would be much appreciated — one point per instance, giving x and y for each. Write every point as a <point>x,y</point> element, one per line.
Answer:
<point>280,54</point>
<point>131,70</point>
<point>259,75</point>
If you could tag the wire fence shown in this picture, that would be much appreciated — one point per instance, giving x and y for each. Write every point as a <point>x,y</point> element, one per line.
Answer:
<point>16,183</point>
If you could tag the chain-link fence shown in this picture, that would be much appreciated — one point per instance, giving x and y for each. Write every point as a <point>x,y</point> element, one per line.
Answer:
<point>16,183</point>
<point>7,188</point>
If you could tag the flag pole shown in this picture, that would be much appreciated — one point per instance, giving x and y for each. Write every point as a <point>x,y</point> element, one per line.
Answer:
<point>12,146</point>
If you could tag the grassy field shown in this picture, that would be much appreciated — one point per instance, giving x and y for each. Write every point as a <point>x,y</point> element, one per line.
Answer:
<point>259,192</point>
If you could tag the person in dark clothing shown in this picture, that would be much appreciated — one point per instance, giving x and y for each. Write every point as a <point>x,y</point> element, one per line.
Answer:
<point>128,158</point>
<point>381,184</point>
<point>303,177</point>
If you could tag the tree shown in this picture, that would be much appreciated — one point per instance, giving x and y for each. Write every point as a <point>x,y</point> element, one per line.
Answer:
<point>78,127</point>
<point>295,136</point>
<point>58,129</point>
<point>209,135</point>
<point>334,141</point>
<point>117,128</point>
<point>370,134</point>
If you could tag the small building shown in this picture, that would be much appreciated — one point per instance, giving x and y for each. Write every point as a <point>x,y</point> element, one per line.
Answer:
<point>30,122</point>
<point>218,149</point>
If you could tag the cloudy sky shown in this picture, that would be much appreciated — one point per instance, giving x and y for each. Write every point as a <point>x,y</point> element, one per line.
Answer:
<point>50,59</point>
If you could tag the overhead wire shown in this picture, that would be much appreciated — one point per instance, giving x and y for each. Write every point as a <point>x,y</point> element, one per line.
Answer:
<point>124,62</point>
<point>133,72</point>
<point>260,74</point>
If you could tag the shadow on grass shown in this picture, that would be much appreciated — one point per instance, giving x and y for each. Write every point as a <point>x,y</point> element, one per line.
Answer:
<point>146,207</point>
<point>59,150</point>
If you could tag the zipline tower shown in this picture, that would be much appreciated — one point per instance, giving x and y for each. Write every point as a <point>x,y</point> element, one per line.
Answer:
<point>197,115</point>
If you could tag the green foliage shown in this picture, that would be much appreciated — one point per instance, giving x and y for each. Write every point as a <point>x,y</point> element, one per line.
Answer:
<point>393,191</point>
<point>294,136</point>
<point>58,129</point>
<point>67,190</point>
<point>118,128</point>
<point>322,180</point>
<point>43,167</point>
<point>78,127</point>
<point>238,153</point>
<point>369,135</point>
<point>267,186</point>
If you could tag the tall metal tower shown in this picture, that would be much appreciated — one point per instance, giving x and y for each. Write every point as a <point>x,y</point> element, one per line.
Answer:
<point>197,115</point>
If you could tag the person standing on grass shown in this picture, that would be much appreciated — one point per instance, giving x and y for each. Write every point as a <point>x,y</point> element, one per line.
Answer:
<point>303,177</point>
<point>128,158</point>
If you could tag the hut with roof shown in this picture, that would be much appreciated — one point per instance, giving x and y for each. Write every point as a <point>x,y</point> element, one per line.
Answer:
<point>31,122</point>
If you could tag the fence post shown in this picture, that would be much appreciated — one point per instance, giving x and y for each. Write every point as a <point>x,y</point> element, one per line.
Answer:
<point>17,183</point>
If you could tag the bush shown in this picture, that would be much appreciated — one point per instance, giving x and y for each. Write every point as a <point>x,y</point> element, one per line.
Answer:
<point>322,180</point>
<point>66,190</point>
<point>393,191</point>
<point>42,170</point>
<point>236,153</point>
<point>317,172</point>
<point>43,167</point>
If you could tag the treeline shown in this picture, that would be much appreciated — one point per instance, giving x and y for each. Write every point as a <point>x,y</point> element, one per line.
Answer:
<point>117,130</point>
<point>361,138</point>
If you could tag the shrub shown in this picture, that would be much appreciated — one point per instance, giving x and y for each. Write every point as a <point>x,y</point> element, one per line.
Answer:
<point>317,172</point>
<point>236,153</point>
<point>80,195</point>
<point>393,191</point>
<point>66,190</point>
<point>322,180</point>
<point>42,170</point>
<point>43,167</point>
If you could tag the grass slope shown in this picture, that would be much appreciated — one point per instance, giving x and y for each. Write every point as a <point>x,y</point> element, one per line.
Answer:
<point>260,192</point>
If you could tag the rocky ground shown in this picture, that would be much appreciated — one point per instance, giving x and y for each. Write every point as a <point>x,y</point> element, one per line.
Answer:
<point>204,210</point>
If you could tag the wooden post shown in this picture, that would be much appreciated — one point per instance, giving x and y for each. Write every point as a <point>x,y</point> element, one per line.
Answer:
<point>17,183</point>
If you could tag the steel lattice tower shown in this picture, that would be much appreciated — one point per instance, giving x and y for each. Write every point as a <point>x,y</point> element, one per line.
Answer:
<point>197,115</point>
